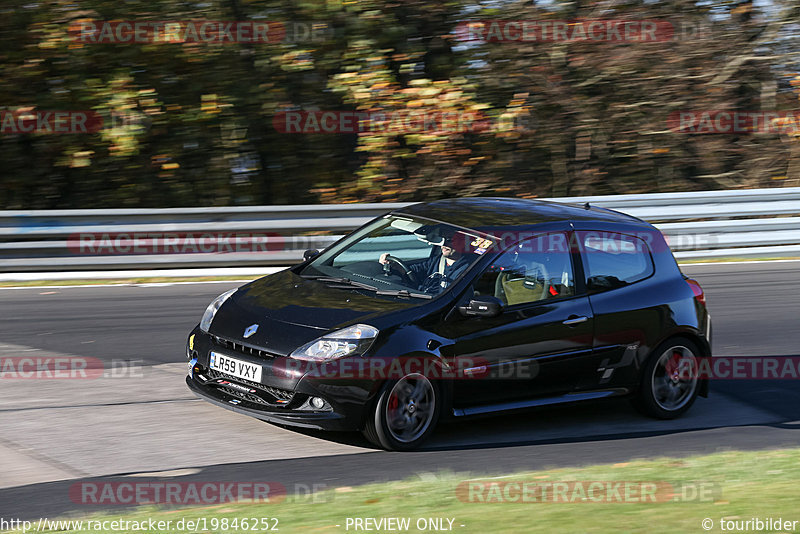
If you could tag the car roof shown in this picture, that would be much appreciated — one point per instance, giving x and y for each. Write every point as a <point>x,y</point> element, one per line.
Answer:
<point>488,212</point>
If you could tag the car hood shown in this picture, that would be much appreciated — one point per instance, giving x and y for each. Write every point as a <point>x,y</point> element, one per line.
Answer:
<point>291,311</point>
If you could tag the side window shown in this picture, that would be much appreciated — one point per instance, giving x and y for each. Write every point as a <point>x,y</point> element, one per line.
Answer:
<point>614,260</point>
<point>537,269</point>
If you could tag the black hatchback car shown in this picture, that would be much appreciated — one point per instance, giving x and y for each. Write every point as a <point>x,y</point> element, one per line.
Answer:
<point>455,308</point>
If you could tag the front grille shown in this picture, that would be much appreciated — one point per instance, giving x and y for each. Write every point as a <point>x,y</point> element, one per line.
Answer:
<point>279,394</point>
<point>243,349</point>
<point>247,396</point>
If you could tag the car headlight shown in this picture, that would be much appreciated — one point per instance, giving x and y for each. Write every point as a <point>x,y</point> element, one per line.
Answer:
<point>351,341</point>
<point>211,311</point>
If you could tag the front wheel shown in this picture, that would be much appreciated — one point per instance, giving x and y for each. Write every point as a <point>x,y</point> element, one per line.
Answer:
<point>405,413</point>
<point>669,383</point>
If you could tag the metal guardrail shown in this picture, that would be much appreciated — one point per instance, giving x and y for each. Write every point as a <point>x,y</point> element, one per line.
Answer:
<point>705,224</point>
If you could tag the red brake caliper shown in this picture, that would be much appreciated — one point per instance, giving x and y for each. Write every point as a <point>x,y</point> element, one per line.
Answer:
<point>673,363</point>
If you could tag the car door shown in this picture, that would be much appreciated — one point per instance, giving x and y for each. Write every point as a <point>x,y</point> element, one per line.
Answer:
<point>544,330</point>
<point>628,306</point>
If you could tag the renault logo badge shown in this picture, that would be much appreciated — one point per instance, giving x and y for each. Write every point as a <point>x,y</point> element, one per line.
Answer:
<point>250,330</point>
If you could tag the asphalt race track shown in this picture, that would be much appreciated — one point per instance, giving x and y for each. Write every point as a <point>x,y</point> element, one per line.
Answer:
<point>139,419</point>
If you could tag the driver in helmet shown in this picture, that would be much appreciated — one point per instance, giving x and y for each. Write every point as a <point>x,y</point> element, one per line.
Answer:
<point>437,271</point>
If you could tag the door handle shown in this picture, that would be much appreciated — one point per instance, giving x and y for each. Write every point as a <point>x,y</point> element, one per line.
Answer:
<point>574,319</point>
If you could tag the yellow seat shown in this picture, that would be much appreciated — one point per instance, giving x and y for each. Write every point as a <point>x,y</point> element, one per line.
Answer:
<point>514,287</point>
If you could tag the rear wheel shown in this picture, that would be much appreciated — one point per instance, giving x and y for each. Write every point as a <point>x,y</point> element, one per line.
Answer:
<point>405,413</point>
<point>670,383</point>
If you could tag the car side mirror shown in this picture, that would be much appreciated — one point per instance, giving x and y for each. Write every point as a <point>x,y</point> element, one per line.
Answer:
<point>482,306</point>
<point>310,253</point>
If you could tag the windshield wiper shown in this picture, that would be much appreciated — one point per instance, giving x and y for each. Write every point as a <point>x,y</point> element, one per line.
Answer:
<point>322,278</point>
<point>403,293</point>
<point>344,281</point>
<point>352,283</point>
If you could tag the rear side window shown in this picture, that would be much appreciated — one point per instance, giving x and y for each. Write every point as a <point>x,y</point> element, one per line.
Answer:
<point>613,260</point>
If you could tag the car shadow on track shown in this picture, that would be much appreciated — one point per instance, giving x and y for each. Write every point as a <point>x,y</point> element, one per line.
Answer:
<point>729,404</point>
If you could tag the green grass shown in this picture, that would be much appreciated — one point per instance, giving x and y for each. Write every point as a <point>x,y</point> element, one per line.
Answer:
<point>745,485</point>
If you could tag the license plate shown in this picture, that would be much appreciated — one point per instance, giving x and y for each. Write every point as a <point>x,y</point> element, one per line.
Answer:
<point>238,368</point>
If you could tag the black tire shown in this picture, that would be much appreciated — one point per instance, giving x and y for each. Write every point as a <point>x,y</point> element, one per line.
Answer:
<point>663,394</point>
<point>418,408</point>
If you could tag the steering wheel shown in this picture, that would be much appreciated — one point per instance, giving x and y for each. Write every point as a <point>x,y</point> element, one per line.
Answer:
<point>407,274</point>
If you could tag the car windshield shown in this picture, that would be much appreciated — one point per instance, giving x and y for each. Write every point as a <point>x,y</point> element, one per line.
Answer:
<point>400,255</point>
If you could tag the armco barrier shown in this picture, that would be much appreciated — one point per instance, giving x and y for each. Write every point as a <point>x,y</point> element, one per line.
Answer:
<point>705,224</point>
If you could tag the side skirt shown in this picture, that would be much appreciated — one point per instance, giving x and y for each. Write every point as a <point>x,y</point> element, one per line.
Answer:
<point>545,401</point>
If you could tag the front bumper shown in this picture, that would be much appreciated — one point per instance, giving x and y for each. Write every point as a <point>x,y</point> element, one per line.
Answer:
<point>317,420</point>
<point>277,398</point>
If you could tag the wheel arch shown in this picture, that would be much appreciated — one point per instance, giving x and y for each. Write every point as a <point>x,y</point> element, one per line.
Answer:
<point>445,386</point>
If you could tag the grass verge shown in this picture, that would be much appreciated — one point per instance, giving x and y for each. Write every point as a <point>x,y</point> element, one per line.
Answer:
<point>727,486</point>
